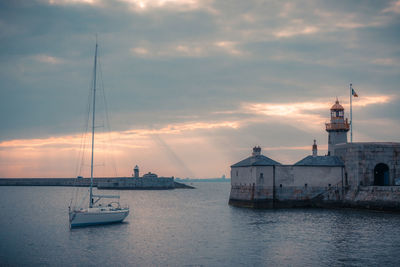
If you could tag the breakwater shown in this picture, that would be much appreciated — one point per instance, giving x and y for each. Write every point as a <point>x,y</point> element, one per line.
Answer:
<point>99,182</point>
<point>361,197</point>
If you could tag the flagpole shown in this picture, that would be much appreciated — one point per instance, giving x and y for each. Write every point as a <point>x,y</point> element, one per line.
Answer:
<point>351,115</point>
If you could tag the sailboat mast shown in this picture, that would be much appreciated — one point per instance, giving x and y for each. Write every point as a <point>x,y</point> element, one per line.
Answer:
<point>93,120</point>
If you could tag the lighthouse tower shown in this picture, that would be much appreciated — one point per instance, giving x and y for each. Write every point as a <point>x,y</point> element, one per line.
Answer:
<point>337,128</point>
<point>136,172</point>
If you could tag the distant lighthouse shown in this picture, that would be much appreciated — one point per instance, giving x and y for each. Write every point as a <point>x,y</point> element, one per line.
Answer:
<point>136,172</point>
<point>337,128</point>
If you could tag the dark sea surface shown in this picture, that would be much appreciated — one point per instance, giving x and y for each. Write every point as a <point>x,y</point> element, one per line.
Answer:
<point>191,228</point>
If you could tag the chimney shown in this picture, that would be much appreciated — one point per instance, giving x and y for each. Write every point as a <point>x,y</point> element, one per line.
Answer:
<point>314,149</point>
<point>256,151</point>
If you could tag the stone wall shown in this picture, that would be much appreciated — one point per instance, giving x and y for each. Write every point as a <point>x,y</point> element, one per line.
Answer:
<point>374,197</point>
<point>101,183</point>
<point>361,158</point>
<point>291,186</point>
<point>313,176</point>
<point>47,181</point>
<point>244,175</point>
<point>286,197</point>
<point>137,183</point>
<point>243,192</point>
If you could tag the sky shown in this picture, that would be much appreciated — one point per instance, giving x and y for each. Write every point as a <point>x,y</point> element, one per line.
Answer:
<point>190,85</point>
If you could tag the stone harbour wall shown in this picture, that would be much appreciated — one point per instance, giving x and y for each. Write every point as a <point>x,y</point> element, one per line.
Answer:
<point>374,197</point>
<point>363,197</point>
<point>137,183</point>
<point>101,183</point>
<point>285,196</point>
<point>47,181</point>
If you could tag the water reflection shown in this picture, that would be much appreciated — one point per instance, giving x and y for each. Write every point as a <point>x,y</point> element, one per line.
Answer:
<point>193,228</point>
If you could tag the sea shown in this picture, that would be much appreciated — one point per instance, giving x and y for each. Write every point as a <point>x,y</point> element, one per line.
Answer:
<point>190,227</point>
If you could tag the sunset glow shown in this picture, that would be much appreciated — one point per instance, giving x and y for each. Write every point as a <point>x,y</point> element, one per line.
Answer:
<point>133,146</point>
<point>126,147</point>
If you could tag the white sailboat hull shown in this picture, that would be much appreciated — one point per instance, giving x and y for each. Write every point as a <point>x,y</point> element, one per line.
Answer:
<point>95,216</point>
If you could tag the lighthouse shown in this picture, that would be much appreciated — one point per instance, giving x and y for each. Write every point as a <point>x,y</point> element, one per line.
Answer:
<point>136,172</point>
<point>337,128</point>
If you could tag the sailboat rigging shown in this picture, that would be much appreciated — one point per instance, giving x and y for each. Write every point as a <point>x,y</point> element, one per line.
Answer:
<point>96,213</point>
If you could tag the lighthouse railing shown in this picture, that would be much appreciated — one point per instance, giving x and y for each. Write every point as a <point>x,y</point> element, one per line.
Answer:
<point>337,126</point>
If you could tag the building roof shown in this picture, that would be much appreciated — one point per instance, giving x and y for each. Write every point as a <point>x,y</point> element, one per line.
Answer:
<point>320,161</point>
<point>337,106</point>
<point>369,144</point>
<point>258,160</point>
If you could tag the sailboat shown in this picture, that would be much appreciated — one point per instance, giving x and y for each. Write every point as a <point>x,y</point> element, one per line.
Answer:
<point>96,213</point>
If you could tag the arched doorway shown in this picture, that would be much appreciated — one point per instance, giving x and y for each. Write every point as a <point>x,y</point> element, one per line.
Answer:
<point>381,175</point>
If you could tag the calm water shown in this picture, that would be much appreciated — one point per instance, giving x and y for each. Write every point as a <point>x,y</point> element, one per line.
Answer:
<point>191,227</point>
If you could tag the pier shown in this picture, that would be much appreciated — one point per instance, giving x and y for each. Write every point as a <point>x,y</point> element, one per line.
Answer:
<point>161,183</point>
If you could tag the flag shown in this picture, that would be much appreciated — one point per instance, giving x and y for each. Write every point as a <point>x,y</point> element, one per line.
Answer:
<point>353,92</point>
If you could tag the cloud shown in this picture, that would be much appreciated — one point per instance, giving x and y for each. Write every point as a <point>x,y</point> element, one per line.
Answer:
<point>141,51</point>
<point>394,7</point>
<point>287,9</point>
<point>189,51</point>
<point>47,59</point>
<point>174,141</point>
<point>309,116</point>
<point>125,147</point>
<point>74,141</point>
<point>217,76</point>
<point>170,50</point>
<point>371,100</point>
<point>304,110</point>
<point>141,6</point>
<point>293,31</point>
<point>291,148</point>
<point>186,49</point>
<point>71,2</point>
<point>386,62</point>
<point>229,47</point>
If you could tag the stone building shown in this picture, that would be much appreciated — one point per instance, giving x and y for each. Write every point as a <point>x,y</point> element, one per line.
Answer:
<point>371,164</point>
<point>259,181</point>
<point>361,175</point>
